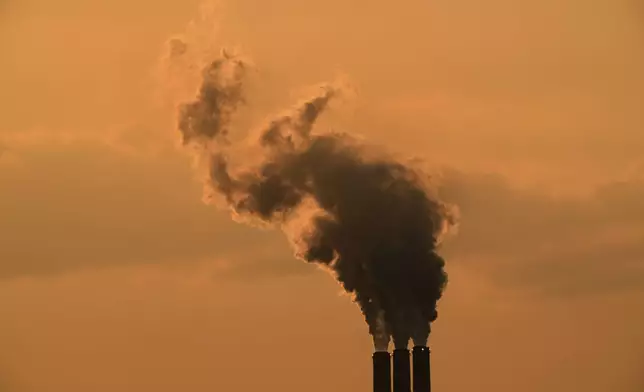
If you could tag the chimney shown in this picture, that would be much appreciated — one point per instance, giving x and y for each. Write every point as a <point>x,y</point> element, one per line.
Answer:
<point>422,381</point>
<point>381,371</point>
<point>402,370</point>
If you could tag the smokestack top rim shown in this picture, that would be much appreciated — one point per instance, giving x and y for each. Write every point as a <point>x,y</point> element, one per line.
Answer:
<point>401,350</point>
<point>377,354</point>
<point>420,349</point>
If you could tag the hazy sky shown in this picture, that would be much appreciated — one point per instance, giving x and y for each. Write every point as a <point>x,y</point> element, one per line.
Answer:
<point>114,276</point>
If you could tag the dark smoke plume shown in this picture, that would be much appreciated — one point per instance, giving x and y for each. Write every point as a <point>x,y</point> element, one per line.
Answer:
<point>209,116</point>
<point>370,221</point>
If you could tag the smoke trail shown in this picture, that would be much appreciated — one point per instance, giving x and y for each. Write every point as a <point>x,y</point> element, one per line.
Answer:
<point>369,220</point>
<point>209,116</point>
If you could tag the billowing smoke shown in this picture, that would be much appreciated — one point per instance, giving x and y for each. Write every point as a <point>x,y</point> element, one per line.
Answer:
<point>370,221</point>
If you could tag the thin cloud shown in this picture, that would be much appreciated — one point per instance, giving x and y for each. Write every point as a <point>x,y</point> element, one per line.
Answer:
<point>558,246</point>
<point>86,205</point>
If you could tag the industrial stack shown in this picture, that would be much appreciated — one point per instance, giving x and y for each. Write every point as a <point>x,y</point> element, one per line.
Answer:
<point>402,370</point>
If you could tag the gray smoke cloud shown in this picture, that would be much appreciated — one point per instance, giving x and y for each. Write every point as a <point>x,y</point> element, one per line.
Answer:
<point>370,220</point>
<point>209,116</point>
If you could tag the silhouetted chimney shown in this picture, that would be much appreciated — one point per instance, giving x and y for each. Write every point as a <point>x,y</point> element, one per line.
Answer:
<point>422,382</point>
<point>381,371</point>
<point>402,370</point>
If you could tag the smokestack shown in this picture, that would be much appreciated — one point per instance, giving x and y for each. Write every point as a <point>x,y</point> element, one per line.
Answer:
<point>402,370</point>
<point>422,381</point>
<point>381,371</point>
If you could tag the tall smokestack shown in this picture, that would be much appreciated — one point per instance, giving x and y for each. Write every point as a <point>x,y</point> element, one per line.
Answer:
<point>422,381</point>
<point>381,371</point>
<point>402,370</point>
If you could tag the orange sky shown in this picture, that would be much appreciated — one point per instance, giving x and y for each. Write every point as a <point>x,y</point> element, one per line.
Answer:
<point>115,277</point>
